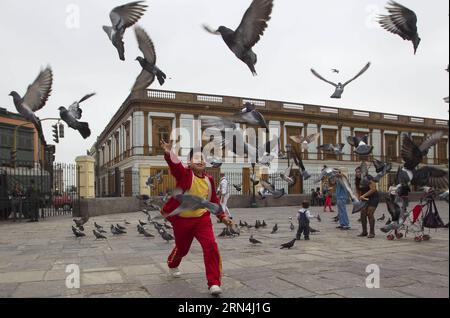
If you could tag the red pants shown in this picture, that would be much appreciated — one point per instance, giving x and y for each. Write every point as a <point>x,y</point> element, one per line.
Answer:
<point>328,204</point>
<point>184,230</point>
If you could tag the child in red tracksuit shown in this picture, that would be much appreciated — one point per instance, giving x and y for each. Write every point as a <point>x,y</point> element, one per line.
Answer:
<point>194,224</point>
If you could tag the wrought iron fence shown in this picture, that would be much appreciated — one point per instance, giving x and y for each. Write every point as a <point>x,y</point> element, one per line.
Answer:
<point>31,191</point>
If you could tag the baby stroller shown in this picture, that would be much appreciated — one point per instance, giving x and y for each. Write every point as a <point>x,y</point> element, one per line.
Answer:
<point>404,223</point>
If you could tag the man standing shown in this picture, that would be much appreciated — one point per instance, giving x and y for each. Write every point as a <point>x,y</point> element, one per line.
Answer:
<point>224,194</point>
<point>342,198</point>
<point>34,201</point>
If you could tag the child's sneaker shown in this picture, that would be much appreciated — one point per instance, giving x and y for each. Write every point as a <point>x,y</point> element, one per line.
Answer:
<point>215,290</point>
<point>175,272</point>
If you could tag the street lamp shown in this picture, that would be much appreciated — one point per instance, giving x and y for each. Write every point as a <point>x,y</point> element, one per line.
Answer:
<point>253,202</point>
<point>288,152</point>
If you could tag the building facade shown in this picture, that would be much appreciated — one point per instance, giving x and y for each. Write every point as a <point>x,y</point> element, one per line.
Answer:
<point>29,147</point>
<point>127,152</point>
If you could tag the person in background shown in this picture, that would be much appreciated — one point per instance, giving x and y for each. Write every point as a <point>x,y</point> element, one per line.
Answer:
<point>33,196</point>
<point>16,199</point>
<point>342,199</point>
<point>367,191</point>
<point>328,197</point>
<point>224,194</point>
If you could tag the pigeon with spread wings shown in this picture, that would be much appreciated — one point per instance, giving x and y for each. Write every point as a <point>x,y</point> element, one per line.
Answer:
<point>73,114</point>
<point>339,86</point>
<point>305,141</point>
<point>401,21</point>
<point>35,99</point>
<point>148,62</point>
<point>249,32</point>
<point>123,17</point>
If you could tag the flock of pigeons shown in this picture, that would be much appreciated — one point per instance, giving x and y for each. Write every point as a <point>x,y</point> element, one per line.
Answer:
<point>400,21</point>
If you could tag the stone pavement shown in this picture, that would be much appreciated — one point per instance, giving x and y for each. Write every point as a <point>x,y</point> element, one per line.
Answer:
<point>34,256</point>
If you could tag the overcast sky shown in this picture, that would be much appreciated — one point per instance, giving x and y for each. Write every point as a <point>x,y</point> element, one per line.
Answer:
<point>322,34</point>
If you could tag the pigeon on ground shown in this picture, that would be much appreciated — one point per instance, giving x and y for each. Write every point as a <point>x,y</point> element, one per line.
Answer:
<point>288,245</point>
<point>77,233</point>
<point>72,115</point>
<point>339,86</point>
<point>257,225</point>
<point>116,231</point>
<point>319,218</point>
<point>166,236</point>
<point>35,99</point>
<point>361,144</point>
<point>292,227</point>
<point>123,17</point>
<point>147,234</point>
<point>223,233</point>
<point>121,227</point>
<point>401,21</point>
<point>140,229</point>
<point>241,224</point>
<point>383,217</point>
<point>254,241</point>
<point>248,33</point>
<point>332,149</point>
<point>142,223</point>
<point>264,224</point>
<point>98,227</point>
<point>238,187</point>
<point>275,229</point>
<point>311,230</point>
<point>305,141</point>
<point>82,221</point>
<point>99,236</point>
<point>148,62</point>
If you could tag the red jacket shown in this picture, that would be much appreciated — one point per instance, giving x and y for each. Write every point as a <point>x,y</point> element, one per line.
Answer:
<point>184,177</point>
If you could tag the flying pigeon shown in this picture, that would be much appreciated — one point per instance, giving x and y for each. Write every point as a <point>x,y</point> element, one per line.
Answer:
<point>73,114</point>
<point>401,21</point>
<point>148,62</point>
<point>286,176</point>
<point>288,245</point>
<point>444,196</point>
<point>251,116</point>
<point>123,17</point>
<point>333,149</point>
<point>305,141</point>
<point>275,229</point>
<point>271,189</point>
<point>339,86</point>
<point>334,70</point>
<point>99,236</point>
<point>152,181</point>
<point>382,169</point>
<point>361,144</point>
<point>214,162</point>
<point>248,33</point>
<point>299,163</point>
<point>254,241</point>
<point>191,203</point>
<point>238,187</point>
<point>35,99</point>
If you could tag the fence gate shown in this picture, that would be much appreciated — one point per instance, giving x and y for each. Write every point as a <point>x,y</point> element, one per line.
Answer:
<point>30,189</point>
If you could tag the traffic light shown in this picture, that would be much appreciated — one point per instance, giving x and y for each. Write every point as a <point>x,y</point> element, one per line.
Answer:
<point>61,130</point>
<point>55,134</point>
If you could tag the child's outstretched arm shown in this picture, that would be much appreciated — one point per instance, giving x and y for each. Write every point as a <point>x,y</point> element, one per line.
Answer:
<point>177,170</point>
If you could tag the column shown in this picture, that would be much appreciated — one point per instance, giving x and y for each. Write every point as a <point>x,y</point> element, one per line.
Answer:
<point>340,139</point>
<point>382,145</point>
<point>86,176</point>
<point>319,153</point>
<point>305,134</point>
<point>146,135</point>
<point>282,136</point>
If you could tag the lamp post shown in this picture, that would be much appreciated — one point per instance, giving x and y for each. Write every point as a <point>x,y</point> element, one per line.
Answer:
<point>253,202</point>
<point>288,152</point>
